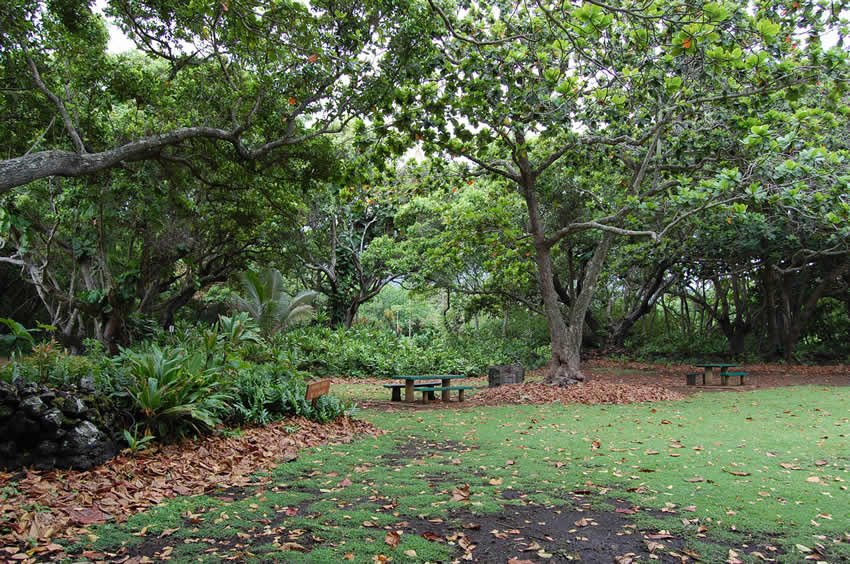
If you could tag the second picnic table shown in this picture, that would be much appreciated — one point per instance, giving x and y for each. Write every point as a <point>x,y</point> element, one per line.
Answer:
<point>710,368</point>
<point>410,386</point>
<point>720,369</point>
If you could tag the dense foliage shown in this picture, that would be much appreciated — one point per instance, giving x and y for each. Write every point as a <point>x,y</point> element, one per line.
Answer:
<point>365,350</point>
<point>658,178</point>
<point>185,385</point>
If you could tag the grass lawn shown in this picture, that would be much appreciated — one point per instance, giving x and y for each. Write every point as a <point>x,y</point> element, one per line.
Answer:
<point>764,474</point>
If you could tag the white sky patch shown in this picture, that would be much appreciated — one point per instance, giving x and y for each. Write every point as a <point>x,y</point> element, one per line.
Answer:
<point>118,42</point>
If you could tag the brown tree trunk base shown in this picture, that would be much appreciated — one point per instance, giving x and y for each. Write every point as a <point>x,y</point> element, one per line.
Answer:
<point>560,374</point>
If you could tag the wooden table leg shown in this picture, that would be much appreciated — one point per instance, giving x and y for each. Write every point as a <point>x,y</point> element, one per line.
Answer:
<point>446,383</point>
<point>706,375</point>
<point>460,395</point>
<point>408,391</point>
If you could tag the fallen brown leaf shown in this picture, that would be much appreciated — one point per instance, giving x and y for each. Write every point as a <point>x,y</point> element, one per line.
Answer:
<point>162,472</point>
<point>392,539</point>
<point>294,546</point>
<point>461,493</point>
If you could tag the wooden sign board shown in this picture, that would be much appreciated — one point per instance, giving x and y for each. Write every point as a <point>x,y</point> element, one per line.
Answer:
<point>317,389</point>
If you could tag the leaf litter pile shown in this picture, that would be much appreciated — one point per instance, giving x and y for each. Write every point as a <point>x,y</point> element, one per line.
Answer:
<point>592,392</point>
<point>61,504</point>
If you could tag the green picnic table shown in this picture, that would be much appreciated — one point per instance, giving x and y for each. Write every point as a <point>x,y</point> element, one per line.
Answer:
<point>444,386</point>
<point>720,369</point>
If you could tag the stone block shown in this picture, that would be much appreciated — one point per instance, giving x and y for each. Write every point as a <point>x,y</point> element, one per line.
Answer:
<point>505,374</point>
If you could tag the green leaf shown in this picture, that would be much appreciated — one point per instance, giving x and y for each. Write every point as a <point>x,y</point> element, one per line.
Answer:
<point>715,12</point>
<point>768,28</point>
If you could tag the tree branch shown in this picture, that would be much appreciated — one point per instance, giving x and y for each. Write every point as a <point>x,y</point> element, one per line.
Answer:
<point>76,140</point>
<point>586,225</point>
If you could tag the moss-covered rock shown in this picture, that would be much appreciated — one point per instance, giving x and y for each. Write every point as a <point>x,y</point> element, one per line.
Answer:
<point>48,428</point>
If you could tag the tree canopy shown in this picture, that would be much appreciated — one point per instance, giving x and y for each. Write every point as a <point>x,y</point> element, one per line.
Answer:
<point>544,155</point>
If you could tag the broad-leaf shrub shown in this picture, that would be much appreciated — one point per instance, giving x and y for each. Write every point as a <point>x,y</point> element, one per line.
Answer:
<point>14,337</point>
<point>53,366</point>
<point>174,393</point>
<point>268,392</point>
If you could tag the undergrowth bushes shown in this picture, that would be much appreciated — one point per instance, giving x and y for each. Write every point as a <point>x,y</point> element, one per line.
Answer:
<point>370,351</point>
<point>186,385</point>
<point>267,392</point>
<point>196,379</point>
<point>176,394</point>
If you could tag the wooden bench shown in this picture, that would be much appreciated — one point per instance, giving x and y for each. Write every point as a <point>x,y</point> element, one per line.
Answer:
<point>428,393</point>
<point>724,377</point>
<point>397,388</point>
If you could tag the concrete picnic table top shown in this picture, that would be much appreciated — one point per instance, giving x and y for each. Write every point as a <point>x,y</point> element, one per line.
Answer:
<point>430,377</point>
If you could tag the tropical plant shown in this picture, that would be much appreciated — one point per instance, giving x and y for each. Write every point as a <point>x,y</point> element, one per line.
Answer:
<point>174,393</point>
<point>237,329</point>
<point>266,393</point>
<point>136,443</point>
<point>19,338</point>
<point>266,301</point>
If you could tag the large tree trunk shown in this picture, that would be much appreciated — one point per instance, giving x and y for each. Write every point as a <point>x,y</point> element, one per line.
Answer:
<point>171,307</point>
<point>351,314</point>
<point>568,371</point>
<point>565,365</point>
<point>737,339</point>
<point>773,347</point>
<point>113,333</point>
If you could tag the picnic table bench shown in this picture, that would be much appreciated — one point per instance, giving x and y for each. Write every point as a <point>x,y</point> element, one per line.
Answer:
<point>724,377</point>
<point>721,369</point>
<point>412,384</point>
<point>396,389</point>
<point>428,393</point>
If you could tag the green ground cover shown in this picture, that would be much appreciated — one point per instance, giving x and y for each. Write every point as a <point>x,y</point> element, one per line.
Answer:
<point>764,473</point>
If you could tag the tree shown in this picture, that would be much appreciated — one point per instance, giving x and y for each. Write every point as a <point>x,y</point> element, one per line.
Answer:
<point>786,244</point>
<point>648,92</point>
<point>134,246</point>
<point>465,236</point>
<point>635,280</point>
<point>257,77</point>
<point>345,248</point>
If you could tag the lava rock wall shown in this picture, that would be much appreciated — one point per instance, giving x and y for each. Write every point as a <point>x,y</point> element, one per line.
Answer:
<point>46,428</point>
